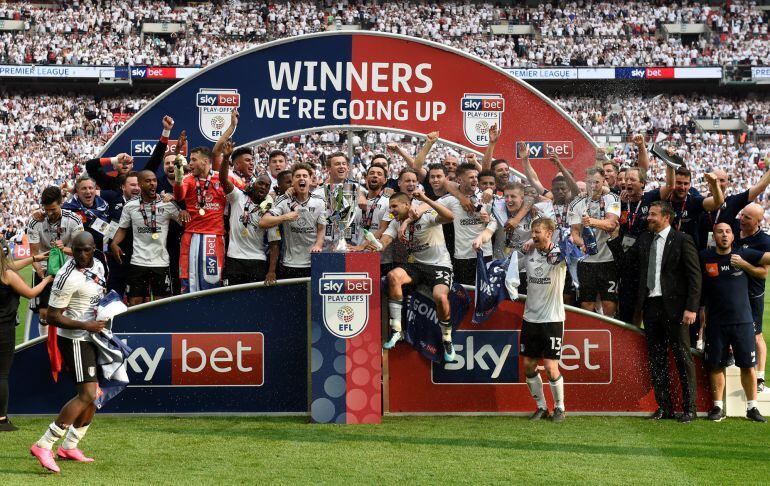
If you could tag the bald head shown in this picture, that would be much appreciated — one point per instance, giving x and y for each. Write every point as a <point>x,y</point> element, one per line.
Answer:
<point>84,238</point>
<point>751,219</point>
<point>83,249</point>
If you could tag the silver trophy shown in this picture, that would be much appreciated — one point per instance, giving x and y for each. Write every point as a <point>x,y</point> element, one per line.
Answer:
<point>342,201</point>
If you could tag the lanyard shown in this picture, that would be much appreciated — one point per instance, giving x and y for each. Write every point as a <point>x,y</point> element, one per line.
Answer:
<point>248,210</point>
<point>94,277</point>
<point>561,215</point>
<point>201,195</point>
<point>153,224</point>
<point>57,229</point>
<point>714,221</point>
<point>370,208</point>
<point>90,215</point>
<point>681,210</point>
<point>632,219</point>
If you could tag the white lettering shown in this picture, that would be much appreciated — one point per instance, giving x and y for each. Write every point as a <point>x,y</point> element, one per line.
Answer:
<point>185,352</point>
<point>227,358</point>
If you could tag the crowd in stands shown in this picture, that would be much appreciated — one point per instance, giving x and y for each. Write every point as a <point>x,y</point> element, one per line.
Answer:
<point>587,33</point>
<point>45,140</point>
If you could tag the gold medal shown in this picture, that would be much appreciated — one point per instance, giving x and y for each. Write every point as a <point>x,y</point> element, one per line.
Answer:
<point>155,236</point>
<point>201,211</point>
<point>410,259</point>
<point>245,232</point>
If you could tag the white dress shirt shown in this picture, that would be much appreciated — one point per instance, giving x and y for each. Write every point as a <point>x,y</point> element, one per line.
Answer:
<point>660,245</point>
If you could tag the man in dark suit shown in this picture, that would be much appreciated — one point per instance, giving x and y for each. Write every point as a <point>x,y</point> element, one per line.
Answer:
<point>668,298</point>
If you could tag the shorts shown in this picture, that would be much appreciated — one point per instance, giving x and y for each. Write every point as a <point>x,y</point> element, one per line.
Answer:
<point>757,311</point>
<point>541,339</point>
<point>429,275</point>
<point>201,258</point>
<point>240,271</point>
<point>465,270</point>
<point>719,339</point>
<point>293,272</point>
<point>41,301</point>
<point>148,281</point>
<point>79,358</point>
<point>597,279</point>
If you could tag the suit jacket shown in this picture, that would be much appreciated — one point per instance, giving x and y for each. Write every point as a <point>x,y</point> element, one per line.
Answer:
<point>680,275</point>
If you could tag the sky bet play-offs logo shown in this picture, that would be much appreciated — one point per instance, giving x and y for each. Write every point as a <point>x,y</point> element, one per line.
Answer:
<point>480,112</point>
<point>196,359</point>
<point>492,358</point>
<point>214,107</point>
<point>345,302</point>
<point>543,150</point>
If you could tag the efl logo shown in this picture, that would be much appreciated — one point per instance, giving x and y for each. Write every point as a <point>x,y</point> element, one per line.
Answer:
<point>543,150</point>
<point>345,302</point>
<point>196,359</point>
<point>480,112</point>
<point>214,107</point>
<point>659,73</point>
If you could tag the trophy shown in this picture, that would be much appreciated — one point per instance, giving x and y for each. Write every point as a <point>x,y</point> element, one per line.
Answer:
<point>342,200</point>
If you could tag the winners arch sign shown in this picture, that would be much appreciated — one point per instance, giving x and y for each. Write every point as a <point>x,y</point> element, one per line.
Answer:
<point>360,81</point>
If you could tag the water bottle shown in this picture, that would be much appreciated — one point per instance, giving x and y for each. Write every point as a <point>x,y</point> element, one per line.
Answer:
<point>371,239</point>
<point>589,239</point>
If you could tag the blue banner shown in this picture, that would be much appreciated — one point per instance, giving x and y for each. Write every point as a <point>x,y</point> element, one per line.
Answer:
<point>422,329</point>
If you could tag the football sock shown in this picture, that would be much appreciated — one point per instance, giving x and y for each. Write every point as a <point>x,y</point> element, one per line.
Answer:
<point>751,404</point>
<point>446,330</point>
<point>51,435</point>
<point>760,375</point>
<point>719,403</point>
<point>557,389</point>
<point>535,384</point>
<point>74,435</point>
<point>394,307</point>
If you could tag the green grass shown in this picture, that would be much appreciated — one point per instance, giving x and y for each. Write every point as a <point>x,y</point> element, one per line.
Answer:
<point>423,450</point>
<point>26,274</point>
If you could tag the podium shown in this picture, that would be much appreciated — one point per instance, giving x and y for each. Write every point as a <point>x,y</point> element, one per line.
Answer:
<point>345,347</point>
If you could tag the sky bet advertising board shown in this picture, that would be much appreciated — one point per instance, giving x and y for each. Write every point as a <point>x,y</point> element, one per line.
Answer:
<point>362,79</point>
<point>604,365</point>
<point>239,351</point>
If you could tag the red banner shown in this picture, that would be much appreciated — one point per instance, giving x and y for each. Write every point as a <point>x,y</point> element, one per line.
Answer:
<point>604,365</point>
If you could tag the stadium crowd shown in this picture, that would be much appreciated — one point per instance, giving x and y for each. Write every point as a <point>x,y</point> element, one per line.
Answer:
<point>567,33</point>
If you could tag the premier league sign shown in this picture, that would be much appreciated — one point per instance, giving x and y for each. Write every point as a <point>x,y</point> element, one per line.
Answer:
<point>359,81</point>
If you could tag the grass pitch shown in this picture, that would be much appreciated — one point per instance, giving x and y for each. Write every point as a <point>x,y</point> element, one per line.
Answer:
<point>417,450</point>
<point>421,450</point>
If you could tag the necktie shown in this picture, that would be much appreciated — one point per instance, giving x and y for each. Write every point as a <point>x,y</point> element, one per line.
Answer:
<point>651,267</point>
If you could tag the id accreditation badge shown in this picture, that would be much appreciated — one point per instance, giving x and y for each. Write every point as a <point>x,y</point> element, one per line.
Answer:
<point>628,242</point>
<point>710,243</point>
<point>111,230</point>
<point>100,226</point>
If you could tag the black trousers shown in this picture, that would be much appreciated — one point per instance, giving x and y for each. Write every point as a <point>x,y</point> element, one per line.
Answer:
<point>7,342</point>
<point>663,331</point>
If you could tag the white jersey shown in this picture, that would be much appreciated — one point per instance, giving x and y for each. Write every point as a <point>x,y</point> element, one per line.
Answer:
<point>426,240</point>
<point>149,251</point>
<point>377,208</point>
<point>398,249</point>
<point>44,233</point>
<point>468,226</point>
<point>299,236</point>
<point>597,209</point>
<point>546,273</point>
<point>245,216</point>
<point>78,292</point>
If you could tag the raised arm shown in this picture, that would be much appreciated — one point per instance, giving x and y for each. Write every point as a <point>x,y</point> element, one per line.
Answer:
<point>713,202</point>
<point>759,187</point>
<point>445,215</point>
<point>643,162</point>
<point>665,191</point>
<point>224,167</point>
<point>156,159</point>
<point>571,182</point>
<point>529,171</point>
<point>234,116</point>
<point>418,163</point>
<point>494,136</point>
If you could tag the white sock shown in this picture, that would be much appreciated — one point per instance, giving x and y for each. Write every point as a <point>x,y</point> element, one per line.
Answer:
<point>74,435</point>
<point>394,307</point>
<point>535,385</point>
<point>42,328</point>
<point>557,389</point>
<point>719,403</point>
<point>446,330</point>
<point>51,435</point>
<point>751,404</point>
<point>761,375</point>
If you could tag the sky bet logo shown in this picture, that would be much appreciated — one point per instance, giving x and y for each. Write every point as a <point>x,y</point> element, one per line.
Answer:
<point>543,150</point>
<point>221,99</point>
<point>196,359</point>
<point>144,148</point>
<point>345,302</point>
<point>491,357</point>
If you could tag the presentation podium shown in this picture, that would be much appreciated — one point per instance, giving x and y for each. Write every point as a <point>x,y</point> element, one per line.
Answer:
<point>345,353</point>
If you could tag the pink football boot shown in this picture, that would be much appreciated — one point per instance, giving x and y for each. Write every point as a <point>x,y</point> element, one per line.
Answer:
<point>73,455</point>
<point>45,457</point>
